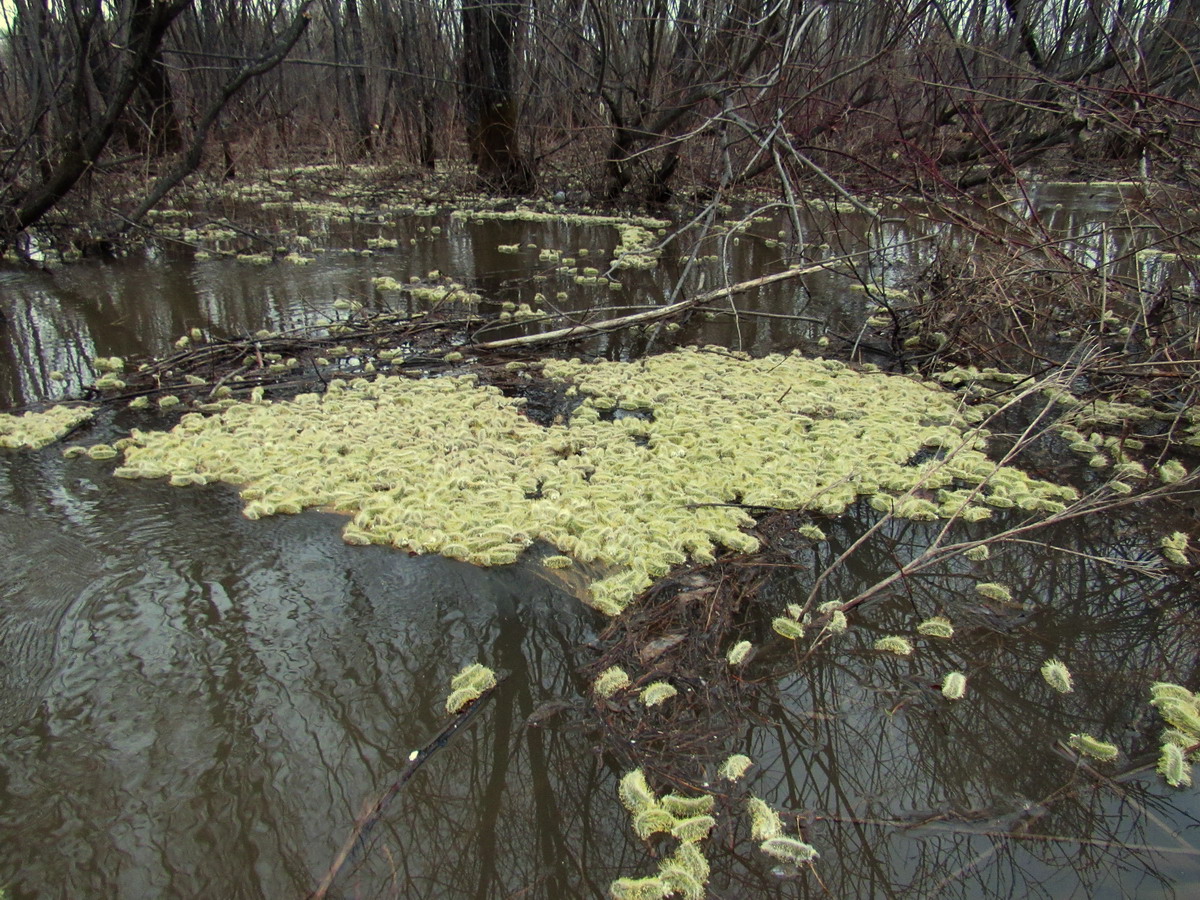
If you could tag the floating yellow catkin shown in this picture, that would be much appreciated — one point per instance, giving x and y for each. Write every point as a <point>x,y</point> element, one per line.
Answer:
<point>954,685</point>
<point>1182,715</point>
<point>735,767</point>
<point>1094,747</point>
<point>689,858</point>
<point>738,652</point>
<point>764,821</point>
<point>1174,767</point>
<point>894,644</point>
<point>991,591</point>
<point>693,828</point>
<point>658,692</point>
<point>1163,691</point>
<point>652,820</point>
<point>468,685</point>
<point>1175,547</point>
<point>33,430</point>
<point>679,881</point>
<point>634,792</point>
<point>610,681</point>
<point>1058,676</point>
<point>446,465</point>
<point>938,626</point>
<point>789,850</point>
<point>653,888</point>
<point>787,627</point>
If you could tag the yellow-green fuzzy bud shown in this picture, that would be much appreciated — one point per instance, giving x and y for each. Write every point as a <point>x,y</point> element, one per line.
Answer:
<point>1175,548</point>
<point>787,627</point>
<point>460,699</point>
<point>1164,690</point>
<point>1181,715</point>
<point>682,807</point>
<point>610,681</point>
<point>1182,740</point>
<point>468,685</point>
<point>838,623</point>
<point>977,553</point>
<point>635,793</point>
<point>738,652</point>
<point>992,591</point>
<point>692,829</point>
<point>680,881</point>
<point>893,643</point>
<point>1058,676</point>
<point>735,767</point>
<point>1172,471</point>
<point>474,675</point>
<point>658,692</point>
<point>638,888</point>
<point>938,626</point>
<point>690,858</point>
<point>557,562</point>
<point>1172,555</point>
<point>789,850</point>
<point>1173,767</point>
<point>652,820</point>
<point>764,821</point>
<point>1094,747</point>
<point>954,685</point>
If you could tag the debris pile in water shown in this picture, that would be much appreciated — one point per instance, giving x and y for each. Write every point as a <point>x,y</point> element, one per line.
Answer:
<point>33,430</point>
<point>652,466</point>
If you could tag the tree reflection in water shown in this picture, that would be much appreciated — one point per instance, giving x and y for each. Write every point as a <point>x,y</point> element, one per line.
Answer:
<point>904,793</point>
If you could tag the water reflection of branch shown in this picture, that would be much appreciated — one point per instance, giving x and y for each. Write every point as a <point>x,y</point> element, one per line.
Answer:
<point>1149,568</point>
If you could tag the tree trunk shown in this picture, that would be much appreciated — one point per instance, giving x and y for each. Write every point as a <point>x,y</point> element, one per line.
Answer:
<point>358,80</point>
<point>489,94</point>
<point>156,132</point>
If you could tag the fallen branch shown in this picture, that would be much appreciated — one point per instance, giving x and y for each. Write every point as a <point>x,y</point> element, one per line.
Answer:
<point>586,329</point>
<point>372,813</point>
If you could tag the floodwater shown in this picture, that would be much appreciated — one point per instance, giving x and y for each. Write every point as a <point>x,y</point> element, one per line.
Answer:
<point>193,704</point>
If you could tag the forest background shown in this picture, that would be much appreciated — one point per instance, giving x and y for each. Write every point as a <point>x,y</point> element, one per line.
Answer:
<point>630,100</point>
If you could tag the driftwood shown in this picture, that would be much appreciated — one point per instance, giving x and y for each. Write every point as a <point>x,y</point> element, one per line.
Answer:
<point>372,813</point>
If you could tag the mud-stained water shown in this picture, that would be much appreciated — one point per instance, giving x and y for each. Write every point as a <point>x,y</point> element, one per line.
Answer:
<point>193,704</point>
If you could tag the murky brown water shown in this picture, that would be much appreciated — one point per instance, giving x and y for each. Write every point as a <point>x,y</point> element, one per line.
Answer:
<point>197,705</point>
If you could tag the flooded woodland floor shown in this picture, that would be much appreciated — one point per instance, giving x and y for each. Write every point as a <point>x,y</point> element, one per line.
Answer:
<point>196,702</point>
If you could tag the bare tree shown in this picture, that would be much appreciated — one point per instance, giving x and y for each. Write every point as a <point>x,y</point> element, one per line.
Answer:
<point>489,33</point>
<point>86,116</point>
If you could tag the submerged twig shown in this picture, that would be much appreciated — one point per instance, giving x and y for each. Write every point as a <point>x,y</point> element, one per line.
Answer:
<point>372,813</point>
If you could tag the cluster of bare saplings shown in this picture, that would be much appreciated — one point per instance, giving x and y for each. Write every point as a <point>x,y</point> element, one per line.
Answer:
<point>627,99</point>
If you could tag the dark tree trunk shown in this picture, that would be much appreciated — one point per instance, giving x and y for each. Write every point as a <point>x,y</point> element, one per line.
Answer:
<point>358,80</point>
<point>156,129</point>
<point>428,152</point>
<point>489,94</point>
